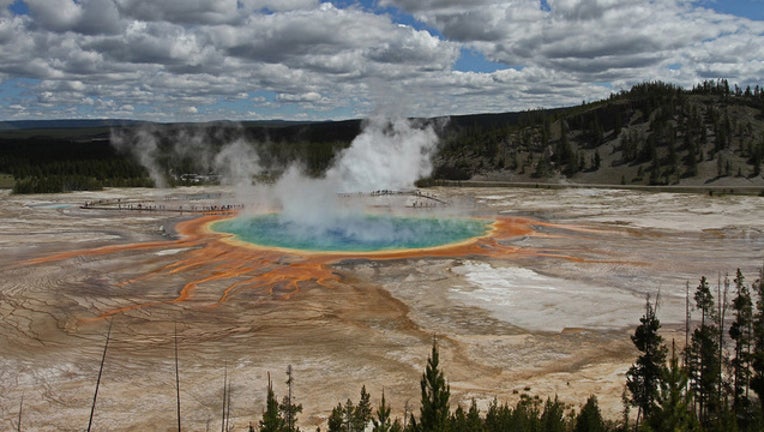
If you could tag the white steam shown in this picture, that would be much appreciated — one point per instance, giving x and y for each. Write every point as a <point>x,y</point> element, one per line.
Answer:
<point>237,163</point>
<point>388,154</point>
<point>306,201</point>
<point>144,145</point>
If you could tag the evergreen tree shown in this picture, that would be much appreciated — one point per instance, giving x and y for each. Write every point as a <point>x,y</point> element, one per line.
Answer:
<point>673,404</point>
<point>644,376</point>
<point>597,161</point>
<point>467,422</point>
<point>526,415</point>
<point>705,366</point>
<point>756,156</point>
<point>272,420</point>
<point>434,412</point>
<point>474,422</point>
<point>381,421</point>
<point>590,417</point>
<point>396,426</point>
<point>348,414</point>
<point>458,421</point>
<point>757,381</point>
<point>498,418</point>
<point>692,161</point>
<point>288,408</point>
<point>336,422</point>
<point>361,415</point>
<point>741,332</point>
<point>553,416</point>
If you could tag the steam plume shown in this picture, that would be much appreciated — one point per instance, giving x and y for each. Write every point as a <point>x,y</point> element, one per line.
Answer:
<point>144,145</point>
<point>237,163</point>
<point>388,154</point>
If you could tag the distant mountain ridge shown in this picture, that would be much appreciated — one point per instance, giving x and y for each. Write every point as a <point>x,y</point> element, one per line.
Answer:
<point>98,123</point>
<point>67,123</point>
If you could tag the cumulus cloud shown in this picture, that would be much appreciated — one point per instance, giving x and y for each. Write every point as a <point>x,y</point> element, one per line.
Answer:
<point>279,5</point>
<point>164,58</point>
<point>304,97</point>
<point>181,11</point>
<point>87,17</point>
<point>56,15</point>
<point>594,40</point>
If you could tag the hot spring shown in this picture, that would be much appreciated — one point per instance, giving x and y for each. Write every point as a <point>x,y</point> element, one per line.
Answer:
<point>353,234</point>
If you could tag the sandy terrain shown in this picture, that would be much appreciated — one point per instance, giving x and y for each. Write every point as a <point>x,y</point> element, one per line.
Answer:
<point>544,310</point>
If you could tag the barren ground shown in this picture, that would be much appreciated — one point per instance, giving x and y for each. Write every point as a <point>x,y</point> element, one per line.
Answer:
<point>548,311</point>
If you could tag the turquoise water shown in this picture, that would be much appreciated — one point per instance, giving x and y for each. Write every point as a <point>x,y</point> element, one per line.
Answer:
<point>361,233</point>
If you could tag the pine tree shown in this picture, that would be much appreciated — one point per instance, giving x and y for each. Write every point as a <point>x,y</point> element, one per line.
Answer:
<point>741,332</point>
<point>757,381</point>
<point>526,415</point>
<point>381,421</point>
<point>644,376</point>
<point>474,422</point>
<point>397,426</point>
<point>673,404</point>
<point>336,422</point>
<point>361,415</point>
<point>498,418</point>
<point>348,411</point>
<point>597,161</point>
<point>288,408</point>
<point>434,412</point>
<point>467,422</point>
<point>553,416</point>
<point>590,417</point>
<point>458,421</point>
<point>704,365</point>
<point>271,421</point>
<point>692,161</point>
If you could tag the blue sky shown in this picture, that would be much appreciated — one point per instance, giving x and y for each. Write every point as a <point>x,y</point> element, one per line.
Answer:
<point>306,59</point>
<point>753,9</point>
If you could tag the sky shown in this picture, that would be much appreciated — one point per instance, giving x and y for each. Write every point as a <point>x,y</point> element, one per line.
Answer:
<point>200,60</point>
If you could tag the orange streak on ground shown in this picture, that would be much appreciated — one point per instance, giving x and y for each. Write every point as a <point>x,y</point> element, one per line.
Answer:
<point>281,273</point>
<point>105,250</point>
<point>232,289</point>
<point>190,238</point>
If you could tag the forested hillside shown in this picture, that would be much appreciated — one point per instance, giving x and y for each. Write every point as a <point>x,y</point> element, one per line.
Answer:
<point>653,134</point>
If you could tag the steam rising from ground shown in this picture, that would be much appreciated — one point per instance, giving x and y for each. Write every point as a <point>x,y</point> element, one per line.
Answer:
<point>389,154</point>
<point>237,163</point>
<point>144,145</point>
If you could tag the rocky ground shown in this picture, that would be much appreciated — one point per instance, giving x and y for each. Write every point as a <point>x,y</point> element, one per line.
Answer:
<point>542,311</point>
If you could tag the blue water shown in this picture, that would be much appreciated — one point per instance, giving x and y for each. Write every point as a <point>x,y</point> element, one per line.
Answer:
<point>361,233</point>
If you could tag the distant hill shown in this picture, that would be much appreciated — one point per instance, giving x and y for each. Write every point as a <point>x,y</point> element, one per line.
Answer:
<point>653,134</point>
<point>66,124</point>
<point>98,123</point>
